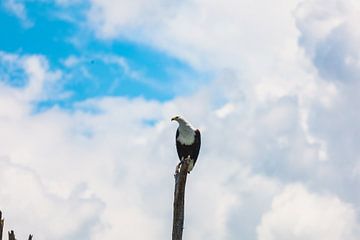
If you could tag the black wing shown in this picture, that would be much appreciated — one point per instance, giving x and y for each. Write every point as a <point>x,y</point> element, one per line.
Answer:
<point>179,147</point>
<point>197,145</point>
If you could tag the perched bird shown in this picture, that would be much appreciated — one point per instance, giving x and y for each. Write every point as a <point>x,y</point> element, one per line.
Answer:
<point>188,141</point>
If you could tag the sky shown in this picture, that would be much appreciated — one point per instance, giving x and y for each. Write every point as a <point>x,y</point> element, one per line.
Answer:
<point>88,88</point>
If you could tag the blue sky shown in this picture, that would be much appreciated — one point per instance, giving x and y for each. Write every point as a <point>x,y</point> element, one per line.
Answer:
<point>60,32</point>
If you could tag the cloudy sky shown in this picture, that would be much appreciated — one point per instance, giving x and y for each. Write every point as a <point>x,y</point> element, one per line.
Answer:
<point>87,90</point>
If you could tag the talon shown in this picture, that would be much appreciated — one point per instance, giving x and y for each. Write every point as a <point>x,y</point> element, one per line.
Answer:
<point>177,169</point>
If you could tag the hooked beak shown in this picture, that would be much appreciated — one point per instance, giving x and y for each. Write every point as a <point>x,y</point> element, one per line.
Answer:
<point>172,119</point>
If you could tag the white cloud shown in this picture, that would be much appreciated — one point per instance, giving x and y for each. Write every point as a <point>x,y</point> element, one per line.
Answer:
<point>298,214</point>
<point>204,32</point>
<point>225,110</point>
<point>71,61</point>
<point>330,36</point>
<point>29,208</point>
<point>39,81</point>
<point>114,18</point>
<point>18,9</point>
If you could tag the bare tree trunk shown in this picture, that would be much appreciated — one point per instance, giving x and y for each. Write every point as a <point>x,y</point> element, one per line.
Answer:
<point>1,225</point>
<point>12,235</point>
<point>179,196</point>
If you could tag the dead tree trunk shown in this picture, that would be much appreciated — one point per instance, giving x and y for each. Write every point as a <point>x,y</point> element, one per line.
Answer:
<point>179,196</point>
<point>12,235</point>
<point>1,225</point>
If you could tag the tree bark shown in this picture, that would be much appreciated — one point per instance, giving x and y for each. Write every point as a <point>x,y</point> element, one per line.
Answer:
<point>1,225</point>
<point>179,202</point>
<point>12,235</point>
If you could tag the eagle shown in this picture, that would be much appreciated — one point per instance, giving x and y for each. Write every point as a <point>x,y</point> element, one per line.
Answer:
<point>188,141</point>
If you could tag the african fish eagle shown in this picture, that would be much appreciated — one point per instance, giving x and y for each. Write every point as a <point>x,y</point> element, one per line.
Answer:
<point>188,141</point>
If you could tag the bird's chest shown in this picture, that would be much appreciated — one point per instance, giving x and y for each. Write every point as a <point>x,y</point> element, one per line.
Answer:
<point>186,138</point>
